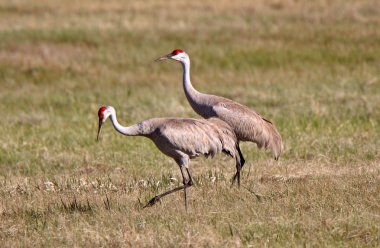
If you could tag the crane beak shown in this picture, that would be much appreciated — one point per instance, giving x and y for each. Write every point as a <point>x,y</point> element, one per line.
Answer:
<point>168,56</point>
<point>99,128</point>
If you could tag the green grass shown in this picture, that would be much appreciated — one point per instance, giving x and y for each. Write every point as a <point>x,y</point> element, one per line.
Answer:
<point>311,68</point>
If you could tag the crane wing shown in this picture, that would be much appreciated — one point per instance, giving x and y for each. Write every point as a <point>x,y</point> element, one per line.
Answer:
<point>241,118</point>
<point>248,125</point>
<point>190,136</point>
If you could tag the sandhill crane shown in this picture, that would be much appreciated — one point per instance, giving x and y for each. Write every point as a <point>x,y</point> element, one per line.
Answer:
<point>247,124</point>
<point>181,139</point>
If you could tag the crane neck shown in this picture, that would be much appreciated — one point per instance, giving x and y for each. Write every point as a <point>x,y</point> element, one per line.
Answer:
<point>133,130</point>
<point>190,92</point>
<point>186,72</point>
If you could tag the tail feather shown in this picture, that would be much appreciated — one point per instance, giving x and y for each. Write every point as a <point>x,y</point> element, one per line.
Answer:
<point>275,140</point>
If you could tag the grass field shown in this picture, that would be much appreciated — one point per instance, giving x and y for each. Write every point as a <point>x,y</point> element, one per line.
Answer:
<point>312,67</point>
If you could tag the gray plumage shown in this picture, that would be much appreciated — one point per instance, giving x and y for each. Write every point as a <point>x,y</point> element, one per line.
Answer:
<point>246,123</point>
<point>181,139</point>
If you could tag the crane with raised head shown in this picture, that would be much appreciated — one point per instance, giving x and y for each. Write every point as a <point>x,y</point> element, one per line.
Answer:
<point>181,139</point>
<point>247,124</point>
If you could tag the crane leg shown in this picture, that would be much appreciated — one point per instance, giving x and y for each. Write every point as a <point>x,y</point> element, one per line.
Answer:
<point>189,183</point>
<point>240,161</point>
<point>185,185</point>
<point>237,175</point>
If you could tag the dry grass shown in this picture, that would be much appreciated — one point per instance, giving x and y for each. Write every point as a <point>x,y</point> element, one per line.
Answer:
<point>310,66</point>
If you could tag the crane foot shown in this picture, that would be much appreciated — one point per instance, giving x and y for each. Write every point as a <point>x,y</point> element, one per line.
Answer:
<point>152,201</point>
<point>235,179</point>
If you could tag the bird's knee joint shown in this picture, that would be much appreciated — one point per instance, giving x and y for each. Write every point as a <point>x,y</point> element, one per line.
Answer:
<point>189,183</point>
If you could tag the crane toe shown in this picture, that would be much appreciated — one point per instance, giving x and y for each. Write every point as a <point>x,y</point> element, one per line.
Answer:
<point>153,201</point>
<point>235,178</point>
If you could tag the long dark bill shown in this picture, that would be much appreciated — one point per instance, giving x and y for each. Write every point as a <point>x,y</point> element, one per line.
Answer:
<point>99,128</point>
<point>168,56</point>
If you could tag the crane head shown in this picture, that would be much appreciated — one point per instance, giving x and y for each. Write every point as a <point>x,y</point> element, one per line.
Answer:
<point>103,114</point>
<point>177,54</point>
